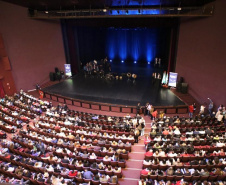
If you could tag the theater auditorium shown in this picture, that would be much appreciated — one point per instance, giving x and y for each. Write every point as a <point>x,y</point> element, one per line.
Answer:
<point>112,92</point>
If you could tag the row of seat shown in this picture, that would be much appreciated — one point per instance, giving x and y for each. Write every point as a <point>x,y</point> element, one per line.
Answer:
<point>52,135</point>
<point>36,182</point>
<point>198,167</point>
<point>14,116</point>
<point>190,178</point>
<point>72,148</point>
<point>184,158</point>
<point>121,164</point>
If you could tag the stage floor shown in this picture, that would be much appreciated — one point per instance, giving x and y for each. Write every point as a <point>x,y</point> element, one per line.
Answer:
<point>119,92</point>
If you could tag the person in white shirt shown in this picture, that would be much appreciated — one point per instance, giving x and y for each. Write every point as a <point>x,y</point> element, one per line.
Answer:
<point>172,154</point>
<point>220,144</point>
<point>162,153</point>
<point>177,131</point>
<point>67,122</point>
<point>93,156</point>
<point>202,132</point>
<point>219,116</point>
<point>157,138</point>
<point>147,162</point>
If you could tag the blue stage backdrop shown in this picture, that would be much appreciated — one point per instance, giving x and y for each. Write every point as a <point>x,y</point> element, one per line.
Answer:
<point>128,44</point>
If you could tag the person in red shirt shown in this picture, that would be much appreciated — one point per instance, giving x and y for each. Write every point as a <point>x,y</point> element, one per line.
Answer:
<point>185,154</point>
<point>149,153</point>
<point>190,110</point>
<point>165,132</point>
<point>144,171</point>
<point>155,114</point>
<point>73,173</point>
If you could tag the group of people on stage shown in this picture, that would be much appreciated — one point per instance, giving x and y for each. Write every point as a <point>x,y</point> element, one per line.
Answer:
<point>94,67</point>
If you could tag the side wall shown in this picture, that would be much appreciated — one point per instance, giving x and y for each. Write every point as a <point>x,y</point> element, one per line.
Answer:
<point>201,56</point>
<point>34,47</point>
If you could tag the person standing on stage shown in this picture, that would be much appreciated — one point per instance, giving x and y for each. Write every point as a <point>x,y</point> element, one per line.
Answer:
<point>202,109</point>
<point>138,108</point>
<point>149,108</point>
<point>191,110</point>
<point>210,108</point>
<point>146,112</point>
<point>194,106</point>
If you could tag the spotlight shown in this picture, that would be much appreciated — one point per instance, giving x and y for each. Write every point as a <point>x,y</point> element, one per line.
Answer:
<point>104,10</point>
<point>122,61</point>
<point>46,12</point>
<point>148,62</point>
<point>135,62</point>
<point>110,60</point>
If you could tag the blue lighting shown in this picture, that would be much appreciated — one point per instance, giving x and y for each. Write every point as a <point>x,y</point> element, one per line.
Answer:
<point>151,12</point>
<point>149,62</point>
<point>136,12</point>
<point>135,62</point>
<point>122,61</point>
<point>133,44</point>
<point>135,3</point>
<point>110,60</point>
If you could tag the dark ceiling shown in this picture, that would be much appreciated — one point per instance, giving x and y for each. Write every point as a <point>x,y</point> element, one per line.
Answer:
<point>100,4</point>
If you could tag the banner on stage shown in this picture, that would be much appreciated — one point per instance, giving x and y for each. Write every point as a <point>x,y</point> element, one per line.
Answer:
<point>67,68</point>
<point>173,79</point>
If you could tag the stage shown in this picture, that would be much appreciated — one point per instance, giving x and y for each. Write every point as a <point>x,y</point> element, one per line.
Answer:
<point>125,92</point>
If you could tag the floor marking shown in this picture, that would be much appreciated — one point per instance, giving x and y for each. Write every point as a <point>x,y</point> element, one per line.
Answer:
<point>133,169</point>
<point>130,179</point>
<point>137,160</point>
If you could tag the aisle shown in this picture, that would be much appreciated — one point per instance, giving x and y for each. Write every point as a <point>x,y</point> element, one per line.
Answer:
<point>131,174</point>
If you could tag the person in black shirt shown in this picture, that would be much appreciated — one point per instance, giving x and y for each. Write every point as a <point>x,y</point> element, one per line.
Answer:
<point>138,108</point>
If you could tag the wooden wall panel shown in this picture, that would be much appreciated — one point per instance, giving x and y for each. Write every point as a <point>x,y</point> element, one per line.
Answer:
<point>105,108</point>
<point>47,96</point>
<point>171,111</point>
<point>182,110</point>
<point>76,103</point>
<point>126,110</point>
<point>86,105</point>
<point>61,100</point>
<point>95,107</point>
<point>69,102</point>
<point>115,109</point>
<point>54,98</point>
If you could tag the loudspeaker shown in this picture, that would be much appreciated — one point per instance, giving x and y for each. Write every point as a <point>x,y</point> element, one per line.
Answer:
<point>181,80</point>
<point>58,76</point>
<point>52,76</point>
<point>56,70</point>
<point>184,88</point>
<point>31,12</point>
<point>178,87</point>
